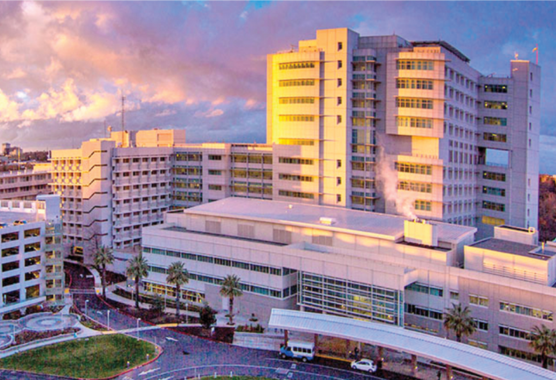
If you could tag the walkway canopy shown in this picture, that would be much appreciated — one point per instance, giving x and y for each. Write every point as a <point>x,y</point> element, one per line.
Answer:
<point>459,355</point>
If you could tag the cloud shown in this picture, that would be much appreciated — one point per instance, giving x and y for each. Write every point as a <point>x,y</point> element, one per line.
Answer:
<point>209,113</point>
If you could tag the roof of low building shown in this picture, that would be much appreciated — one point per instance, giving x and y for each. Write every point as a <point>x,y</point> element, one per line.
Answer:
<point>514,248</point>
<point>384,226</point>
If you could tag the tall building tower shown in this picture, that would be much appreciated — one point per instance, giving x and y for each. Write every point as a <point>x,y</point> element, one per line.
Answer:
<point>384,124</point>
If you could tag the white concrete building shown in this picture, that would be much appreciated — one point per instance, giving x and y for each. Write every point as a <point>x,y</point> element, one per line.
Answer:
<point>384,124</point>
<point>31,256</point>
<point>25,184</point>
<point>363,265</point>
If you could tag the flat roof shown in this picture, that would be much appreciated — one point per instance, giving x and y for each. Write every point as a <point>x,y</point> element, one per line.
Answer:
<point>384,226</point>
<point>513,248</point>
<point>476,360</point>
<point>11,216</point>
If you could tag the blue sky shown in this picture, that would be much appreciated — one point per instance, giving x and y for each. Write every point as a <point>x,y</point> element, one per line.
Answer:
<point>202,65</point>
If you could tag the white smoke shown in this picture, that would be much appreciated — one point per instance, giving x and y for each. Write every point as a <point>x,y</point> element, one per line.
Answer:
<point>387,177</point>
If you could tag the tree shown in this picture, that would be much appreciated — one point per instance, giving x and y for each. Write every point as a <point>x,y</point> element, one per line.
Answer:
<point>157,305</point>
<point>137,269</point>
<point>231,289</point>
<point>103,257</point>
<point>207,316</point>
<point>459,321</point>
<point>178,276</point>
<point>543,341</point>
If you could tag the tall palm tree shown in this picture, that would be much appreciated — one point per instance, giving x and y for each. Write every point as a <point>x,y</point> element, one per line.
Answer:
<point>231,288</point>
<point>103,257</point>
<point>137,269</point>
<point>543,341</point>
<point>178,276</point>
<point>459,321</point>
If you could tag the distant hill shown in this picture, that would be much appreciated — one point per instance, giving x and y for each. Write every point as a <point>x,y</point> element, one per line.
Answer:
<point>547,208</point>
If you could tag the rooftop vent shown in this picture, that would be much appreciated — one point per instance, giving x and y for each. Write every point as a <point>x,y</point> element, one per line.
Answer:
<point>420,232</point>
<point>327,221</point>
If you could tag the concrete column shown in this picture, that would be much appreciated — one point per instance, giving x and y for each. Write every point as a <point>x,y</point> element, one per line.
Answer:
<point>380,359</point>
<point>449,374</point>
<point>285,338</point>
<point>414,364</point>
<point>347,348</point>
<point>316,341</point>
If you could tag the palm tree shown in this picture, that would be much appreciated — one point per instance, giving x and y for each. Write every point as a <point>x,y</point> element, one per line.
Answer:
<point>543,341</point>
<point>458,320</point>
<point>231,288</point>
<point>178,276</point>
<point>103,257</point>
<point>137,269</point>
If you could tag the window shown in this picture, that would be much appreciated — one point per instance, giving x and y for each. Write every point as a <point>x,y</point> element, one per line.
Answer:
<point>340,46</point>
<point>301,100</point>
<point>296,65</point>
<point>423,205</point>
<point>414,103</point>
<point>214,157</point>
<point>494,191</point>
<point>497,137</point>
<point>296,161</point>
<point>338,164</point>
<point>296,118</point>
<point>478,300</point>
<point>215,172</point>
<point>497,88</point>
<point>423,312</point>
<point>415,84</point>
<point>413,168</point>
<point>297,82</point>
<point>338,119</point>
<point>296,142</point>
<point>527,311</point>
<point>481,325</point>
<point>415,186</point>
<point>294,177</point>
<point>339,82</point>
<point>339,64</point>
<point>454,295</point>
<point>414,65</point>
<point>295,194</point>
<point>413,122</point>
<point>512,332</point>
<point>494,176</point>
<point>215,187</point>
<point>420,288</point>
<point>501,121</point>
<point>494,206</point>
<point>338,198</point>
<point>489,104</point>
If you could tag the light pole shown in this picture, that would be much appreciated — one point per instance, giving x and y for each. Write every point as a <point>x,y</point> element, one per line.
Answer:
<point>108,318</point>
<point>138,319</point>
<point>186,312</point>
<point>86,304</point>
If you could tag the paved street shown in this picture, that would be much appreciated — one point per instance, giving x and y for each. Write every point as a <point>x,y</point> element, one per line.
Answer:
<point>187,356</point>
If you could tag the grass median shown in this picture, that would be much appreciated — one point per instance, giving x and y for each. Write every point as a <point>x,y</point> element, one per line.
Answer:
<point>92,358</point>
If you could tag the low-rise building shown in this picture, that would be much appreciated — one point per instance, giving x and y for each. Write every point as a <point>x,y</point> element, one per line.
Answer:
<point>358,264</point>
<point>31,253</point>
<point>25,184</point>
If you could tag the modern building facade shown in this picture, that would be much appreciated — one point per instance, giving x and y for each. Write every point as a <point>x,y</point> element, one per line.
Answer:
<point>32,260</point>
<point>384,124</point>
<point>25,184</point>
<point>361,265</point>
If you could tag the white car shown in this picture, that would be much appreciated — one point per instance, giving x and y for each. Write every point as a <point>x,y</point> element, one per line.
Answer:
<point>366,365</point>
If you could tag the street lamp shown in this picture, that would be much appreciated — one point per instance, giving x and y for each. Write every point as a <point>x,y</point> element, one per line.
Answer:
<point>186,312</point>
<point>86,304</point>
<point>138,319</point>
<point>108,318</point>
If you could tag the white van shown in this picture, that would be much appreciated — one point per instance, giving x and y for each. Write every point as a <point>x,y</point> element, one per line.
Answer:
<point>298,350</point>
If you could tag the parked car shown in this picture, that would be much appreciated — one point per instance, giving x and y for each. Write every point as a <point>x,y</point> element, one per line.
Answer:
<point>20,222</point>
<point>366,365</point>
<point>298,350</point>
<point>3,225</point>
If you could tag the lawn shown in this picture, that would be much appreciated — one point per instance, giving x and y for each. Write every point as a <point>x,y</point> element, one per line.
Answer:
<point>97,357</point>
<point>237,378</point>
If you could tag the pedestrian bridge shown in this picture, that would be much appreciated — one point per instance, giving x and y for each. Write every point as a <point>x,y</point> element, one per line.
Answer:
<point>459,355</point>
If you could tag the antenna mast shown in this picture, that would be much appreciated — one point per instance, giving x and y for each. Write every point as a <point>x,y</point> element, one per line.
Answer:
<point>123,111</point>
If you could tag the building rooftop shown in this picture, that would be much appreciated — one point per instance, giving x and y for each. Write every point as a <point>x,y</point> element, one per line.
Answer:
<point>390,227</point>
<point>514,248</point>
<point>10,217</point>
<point>445,45</point>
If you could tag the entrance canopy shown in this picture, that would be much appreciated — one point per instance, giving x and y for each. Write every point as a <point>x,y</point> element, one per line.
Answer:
<point>476,360</point>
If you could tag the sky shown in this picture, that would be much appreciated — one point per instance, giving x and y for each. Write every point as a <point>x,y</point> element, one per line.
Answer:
<point>201,66</point>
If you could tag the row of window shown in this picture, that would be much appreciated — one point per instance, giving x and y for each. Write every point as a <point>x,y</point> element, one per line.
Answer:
<point>423,311</point>
<point>301,100</point>
<point>296,82</point>
<point>494,206</point>
<point>413,168</point>
<point>501,121</point>
<point>494,105</point>
<point>413,122</point>
<point>294,177</point>
<point>491,221</point>
<point>415,186</point>
<point>426,289</point>
<point>296,161</point>
<point>303,142</point>
<point>494,176</point>
<point>414,65</point>
<point>423,205</point>
<point>294,118</point>
<point>528,311</point>
<point>414,103</point>
<point>497,88</point>
<point>219,261</point>
<point>296,65</point>
<point>295,194</point>
<point>497,137</point>
<point>494,191</point>
<point>416,84</point>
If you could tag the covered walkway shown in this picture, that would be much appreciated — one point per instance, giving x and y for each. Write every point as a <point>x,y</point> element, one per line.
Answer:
<point>485,363</point>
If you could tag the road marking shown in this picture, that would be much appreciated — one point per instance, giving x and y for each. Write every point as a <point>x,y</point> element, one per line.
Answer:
<point>171,339</point>
<point>294,366</point>
<point>149,371</point>
<point>168,378</point>
<point>282,371</point>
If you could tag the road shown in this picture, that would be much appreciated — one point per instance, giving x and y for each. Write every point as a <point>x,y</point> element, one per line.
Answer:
<point>187,356</point>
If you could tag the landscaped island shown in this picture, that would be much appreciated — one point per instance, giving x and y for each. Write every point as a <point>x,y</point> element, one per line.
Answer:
<point>93,358</point>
